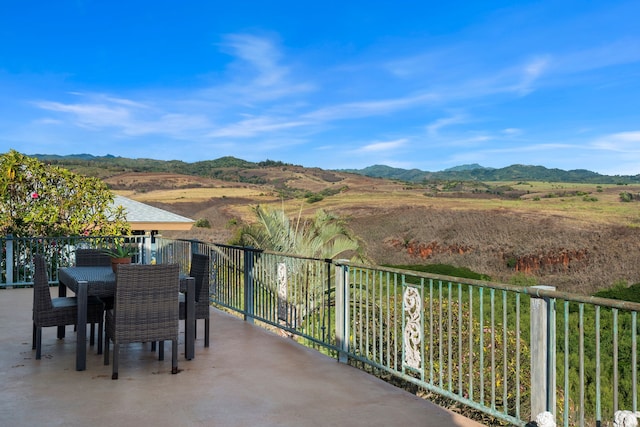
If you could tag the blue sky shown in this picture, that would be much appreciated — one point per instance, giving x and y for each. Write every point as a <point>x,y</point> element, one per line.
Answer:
<point>331,84</point>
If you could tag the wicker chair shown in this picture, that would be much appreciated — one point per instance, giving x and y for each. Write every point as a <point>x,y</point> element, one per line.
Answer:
<point>61,311</point>
<point>200,271</point>
<point>145,310</point>
<point>92,258</point>
<point>95,258</point>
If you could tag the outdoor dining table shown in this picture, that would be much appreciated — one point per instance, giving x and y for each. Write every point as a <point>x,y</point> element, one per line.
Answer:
<point>101,282</point>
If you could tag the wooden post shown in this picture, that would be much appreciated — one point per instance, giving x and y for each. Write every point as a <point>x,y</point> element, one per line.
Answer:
<point>541,377</point>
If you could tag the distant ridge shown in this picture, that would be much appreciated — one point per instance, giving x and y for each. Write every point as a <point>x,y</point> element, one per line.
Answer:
<point>83,156</point>
<point>223,168</point>
<point>465,168</point>
<point>475,172</point>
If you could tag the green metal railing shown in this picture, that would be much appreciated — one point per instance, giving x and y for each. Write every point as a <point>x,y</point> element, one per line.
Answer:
<point>17,254</point>
<point>491,349</point>
<point>505,351</point>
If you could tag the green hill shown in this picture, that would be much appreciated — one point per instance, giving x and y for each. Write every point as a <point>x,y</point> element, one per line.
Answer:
<point>510,173</point>
<point>228,167</point>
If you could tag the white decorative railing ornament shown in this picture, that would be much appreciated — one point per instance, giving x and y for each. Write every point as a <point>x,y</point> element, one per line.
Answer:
<point>412,303</point>
<point>545,419</point>
<point>282,291</point>
<point>626,419</point>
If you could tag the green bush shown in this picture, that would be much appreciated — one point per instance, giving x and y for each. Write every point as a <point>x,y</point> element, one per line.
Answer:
<point>621,291</point>
<point>445,270</point>
<point>202,223</point>
<point>314,197</point>
<point>626,196</point>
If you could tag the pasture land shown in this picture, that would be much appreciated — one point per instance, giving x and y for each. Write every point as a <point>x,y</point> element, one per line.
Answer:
<point>577,237</point>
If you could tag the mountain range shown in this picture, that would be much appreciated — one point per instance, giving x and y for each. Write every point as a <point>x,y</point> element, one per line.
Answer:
<point>215,168</point>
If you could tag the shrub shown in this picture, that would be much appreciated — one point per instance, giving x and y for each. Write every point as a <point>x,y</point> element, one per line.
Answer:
<point>312,198</point>
<point>621,291</point>
<point>626,196</point>
<point>445,270</point>
<point>202,223</point>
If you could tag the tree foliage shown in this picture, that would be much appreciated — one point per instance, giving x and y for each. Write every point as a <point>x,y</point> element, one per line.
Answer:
<point>41,200</point>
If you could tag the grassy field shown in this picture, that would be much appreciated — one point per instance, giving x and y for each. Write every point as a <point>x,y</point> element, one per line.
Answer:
<point>578,237</point>
<point>194,194</point>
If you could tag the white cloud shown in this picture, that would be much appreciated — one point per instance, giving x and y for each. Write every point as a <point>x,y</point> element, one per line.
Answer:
<point>383,146</point>
<point>618,52</point>
<point>129,117</point>
<point>511,131</point>
<point>258,73</point>
<point>530,73</point>
<point>261,54</point>
<point>254,126</point>
<point>435,127</point>
<point>370,108</point>
<point>623,142</point>
<point>90,115</point>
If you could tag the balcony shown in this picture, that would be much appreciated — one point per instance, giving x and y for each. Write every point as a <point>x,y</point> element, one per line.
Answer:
<point>503,351</point>
<point>248,377</point>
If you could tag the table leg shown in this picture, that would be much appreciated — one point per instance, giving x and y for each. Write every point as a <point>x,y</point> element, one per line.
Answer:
<point>190,321</point>
<point>62,292</point>
<point>81,336</point>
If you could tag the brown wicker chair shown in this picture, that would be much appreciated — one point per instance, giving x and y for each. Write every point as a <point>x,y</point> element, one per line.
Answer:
<point>200,271</point>
<point>92,258</point>
<point>61,311</point>
<point>145,310</point>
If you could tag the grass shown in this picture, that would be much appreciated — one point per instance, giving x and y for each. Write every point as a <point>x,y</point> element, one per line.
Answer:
<point>554,199</point>
<point>193,194</point>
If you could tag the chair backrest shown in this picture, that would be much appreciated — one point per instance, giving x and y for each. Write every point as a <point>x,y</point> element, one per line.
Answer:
<point>200,271</point>
<point>146,302</point>
<point>41,294</point>
<point>92,258</point>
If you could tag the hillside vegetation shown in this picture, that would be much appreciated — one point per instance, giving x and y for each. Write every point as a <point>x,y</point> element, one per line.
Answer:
<point>510,173</point>
<point>579,236</point>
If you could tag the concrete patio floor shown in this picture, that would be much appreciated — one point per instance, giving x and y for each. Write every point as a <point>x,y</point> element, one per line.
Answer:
<point>247,377</point>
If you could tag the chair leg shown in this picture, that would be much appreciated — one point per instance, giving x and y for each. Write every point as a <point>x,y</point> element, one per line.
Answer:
<point>92,335</point>
<point>174,356</point>
<point>116,352</point>
<point>33,339</point>
<point>206,332</point>
<point>106,348</point>
<point>161,350</point>
<point>100,333</point>
<point>38,342</point>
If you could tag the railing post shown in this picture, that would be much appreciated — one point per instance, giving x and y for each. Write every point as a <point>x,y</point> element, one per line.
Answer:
<point>146,249</point>
<point>9,260</point>
<point>342,311</point>
<point>194,246</point>
<point>542,379</point>
<point>248,284</point>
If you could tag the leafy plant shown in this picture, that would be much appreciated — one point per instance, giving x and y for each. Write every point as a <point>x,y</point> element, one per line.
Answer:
<point>43,200</point>
<point>121,250</point>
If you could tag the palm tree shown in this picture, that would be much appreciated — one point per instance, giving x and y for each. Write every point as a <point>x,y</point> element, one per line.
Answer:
<point>323,236</point>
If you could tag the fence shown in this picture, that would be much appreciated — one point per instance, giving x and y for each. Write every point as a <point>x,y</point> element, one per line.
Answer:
<point>17,254</point>
<point>503,351</point>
